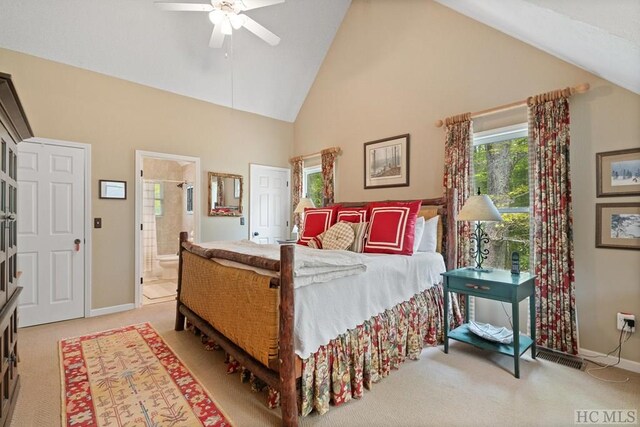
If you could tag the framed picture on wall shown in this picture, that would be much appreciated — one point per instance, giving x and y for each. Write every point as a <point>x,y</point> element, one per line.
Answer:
<point>386,162</point>
<point>113,189</point>
<point>618,225</point>
<point>618,173</point>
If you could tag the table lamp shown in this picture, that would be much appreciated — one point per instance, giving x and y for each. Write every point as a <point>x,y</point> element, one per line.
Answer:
<point>479,208</point>
<point>304,202</point>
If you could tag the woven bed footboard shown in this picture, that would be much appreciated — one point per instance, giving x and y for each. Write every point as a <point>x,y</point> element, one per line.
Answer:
<point>238,303</point>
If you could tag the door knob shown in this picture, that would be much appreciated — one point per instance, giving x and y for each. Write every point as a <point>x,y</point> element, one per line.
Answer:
<point>255,233</point>
<point>10,217</point>
<point>77,243</point>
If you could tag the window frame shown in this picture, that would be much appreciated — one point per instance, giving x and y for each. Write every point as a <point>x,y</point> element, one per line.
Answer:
<point>502,134</point>
<point>305,174</point>
<point>496,135</point>
<point>160,198</point>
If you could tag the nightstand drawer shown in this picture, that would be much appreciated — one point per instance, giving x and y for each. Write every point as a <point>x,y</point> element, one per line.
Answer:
<point>481,289</point>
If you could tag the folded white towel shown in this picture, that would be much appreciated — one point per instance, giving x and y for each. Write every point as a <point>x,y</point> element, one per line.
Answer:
<point>491,333</point>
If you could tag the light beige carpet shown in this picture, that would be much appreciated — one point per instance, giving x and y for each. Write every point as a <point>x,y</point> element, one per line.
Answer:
<point>465,387</point>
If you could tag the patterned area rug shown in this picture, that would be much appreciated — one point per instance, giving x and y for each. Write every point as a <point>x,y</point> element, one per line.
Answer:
<point>130,377</point>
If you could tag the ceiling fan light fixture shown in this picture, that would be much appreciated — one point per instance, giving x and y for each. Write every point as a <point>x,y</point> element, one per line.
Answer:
<point>216,16</point>
<point>226,27</point>
<point>237,21</point>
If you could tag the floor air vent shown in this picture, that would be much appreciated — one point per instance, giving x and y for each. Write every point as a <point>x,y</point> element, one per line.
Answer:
<point>561,359</point>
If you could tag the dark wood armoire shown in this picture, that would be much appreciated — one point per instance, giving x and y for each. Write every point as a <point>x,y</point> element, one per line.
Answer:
<point>14,128</point>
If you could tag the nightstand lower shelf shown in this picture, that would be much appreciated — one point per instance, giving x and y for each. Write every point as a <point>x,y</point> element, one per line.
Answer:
<point>463,334</point>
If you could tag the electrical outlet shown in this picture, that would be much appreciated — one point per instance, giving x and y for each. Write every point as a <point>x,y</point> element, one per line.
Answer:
<point>621,317</point>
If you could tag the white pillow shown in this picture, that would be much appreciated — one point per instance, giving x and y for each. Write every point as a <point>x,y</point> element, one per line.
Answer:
<point>418,233</point>
<point>430,235</point>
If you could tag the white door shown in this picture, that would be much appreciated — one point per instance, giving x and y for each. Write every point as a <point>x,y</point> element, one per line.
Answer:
<point>269,204</point>
<point>50,232</point>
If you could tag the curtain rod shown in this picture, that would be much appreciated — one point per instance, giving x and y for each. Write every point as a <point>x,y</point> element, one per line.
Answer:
<point>581,88</point>
<point>316,154</point>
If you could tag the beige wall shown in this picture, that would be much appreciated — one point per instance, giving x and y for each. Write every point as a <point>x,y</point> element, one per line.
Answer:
<point>393,70</point>
<point>118,117</point>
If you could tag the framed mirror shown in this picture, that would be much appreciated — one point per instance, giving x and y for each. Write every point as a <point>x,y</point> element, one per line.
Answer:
<point>225,194</point>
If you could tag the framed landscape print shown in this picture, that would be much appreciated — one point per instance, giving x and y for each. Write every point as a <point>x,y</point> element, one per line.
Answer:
<point>618,173</point>
<point>386,162</point>
<point>618,225</point>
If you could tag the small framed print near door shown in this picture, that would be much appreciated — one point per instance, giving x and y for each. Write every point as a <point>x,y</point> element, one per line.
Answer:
<point>113,189</point>
<point>618,225</point>
<point>386,162</point>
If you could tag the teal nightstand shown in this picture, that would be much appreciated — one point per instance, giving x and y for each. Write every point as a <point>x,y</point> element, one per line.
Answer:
<point>498,285</point>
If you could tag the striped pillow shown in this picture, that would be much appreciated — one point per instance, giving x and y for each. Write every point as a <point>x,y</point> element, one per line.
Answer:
<point>352,215</point>
<point>316,242</point>
<point>360,231</point>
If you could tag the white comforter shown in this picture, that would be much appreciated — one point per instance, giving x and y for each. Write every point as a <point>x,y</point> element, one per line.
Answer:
<point>310,265</point>
<point>325,310</point>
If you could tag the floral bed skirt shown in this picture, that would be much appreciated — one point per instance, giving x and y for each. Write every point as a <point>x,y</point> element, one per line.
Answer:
<point>342,369</point>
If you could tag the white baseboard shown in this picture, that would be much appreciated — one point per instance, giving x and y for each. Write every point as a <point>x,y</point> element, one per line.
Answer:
<point>629,365</point>
<point>110,310</point>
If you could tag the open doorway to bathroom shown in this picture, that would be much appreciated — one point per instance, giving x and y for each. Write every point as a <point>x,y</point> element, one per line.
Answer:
<point>167,202</point>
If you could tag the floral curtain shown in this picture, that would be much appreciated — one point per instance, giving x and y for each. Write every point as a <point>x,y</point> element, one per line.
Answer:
<point>553,255</point>
<point>296,186</point>
<point>328,163</point>
<point>457,176</point>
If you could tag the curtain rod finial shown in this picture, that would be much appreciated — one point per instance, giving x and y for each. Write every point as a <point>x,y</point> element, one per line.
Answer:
<point>439,123</point>
<point>582,88</point>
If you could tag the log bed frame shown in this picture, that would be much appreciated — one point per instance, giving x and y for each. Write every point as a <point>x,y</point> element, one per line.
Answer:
<point>283,377</point>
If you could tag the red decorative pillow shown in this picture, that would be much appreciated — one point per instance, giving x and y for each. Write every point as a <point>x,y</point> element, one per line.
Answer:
<point>352,215</point>
<point>392,227</point>
<point>316,221</point>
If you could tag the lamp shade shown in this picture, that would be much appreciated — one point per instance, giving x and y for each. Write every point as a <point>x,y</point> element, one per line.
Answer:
<point>304,203</point>
<point>479,208</point>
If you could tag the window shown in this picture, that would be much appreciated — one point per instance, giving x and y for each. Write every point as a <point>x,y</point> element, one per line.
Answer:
<point>501,170</point>
<point>189,199</point>
<point>158,198</point>
<point>312,184</point>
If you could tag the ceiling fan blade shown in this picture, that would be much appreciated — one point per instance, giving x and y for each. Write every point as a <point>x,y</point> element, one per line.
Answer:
<point>261,31</point>
<point>254,4</point>
<point>184,7</point>
<point>217,38</point>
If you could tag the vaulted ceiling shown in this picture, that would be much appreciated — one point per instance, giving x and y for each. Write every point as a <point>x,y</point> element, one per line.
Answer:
<point>600,36</point>
<point>135,41</point>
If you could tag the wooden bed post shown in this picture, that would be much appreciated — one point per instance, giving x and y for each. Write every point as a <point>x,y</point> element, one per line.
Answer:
<point>288,396</point>
<point>184,236</point>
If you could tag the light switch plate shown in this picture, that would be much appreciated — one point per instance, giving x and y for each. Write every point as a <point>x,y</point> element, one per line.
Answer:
<point>97,222</point>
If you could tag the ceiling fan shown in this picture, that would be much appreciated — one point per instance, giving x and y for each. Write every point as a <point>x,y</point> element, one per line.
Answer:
<point>226,15</point>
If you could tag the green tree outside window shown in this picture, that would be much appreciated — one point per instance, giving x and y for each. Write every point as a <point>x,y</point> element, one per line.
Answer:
<point>501,170</point>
